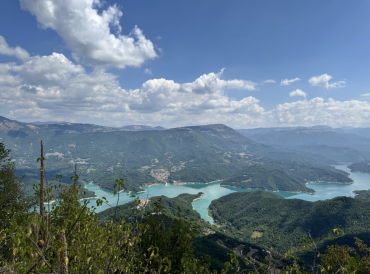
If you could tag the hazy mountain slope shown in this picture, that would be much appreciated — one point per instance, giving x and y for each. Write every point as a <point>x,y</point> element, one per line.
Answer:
<point>188,154</point>
<point>360,167</point>
<point>336,145</point>
<point>256,216</point>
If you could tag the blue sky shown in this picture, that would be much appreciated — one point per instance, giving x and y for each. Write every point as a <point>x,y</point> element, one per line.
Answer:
<point>173,63</point>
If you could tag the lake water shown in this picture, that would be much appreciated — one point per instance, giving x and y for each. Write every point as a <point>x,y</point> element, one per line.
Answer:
<point>215,190</point>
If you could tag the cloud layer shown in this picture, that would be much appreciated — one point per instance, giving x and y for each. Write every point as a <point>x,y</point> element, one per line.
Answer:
<point>87,32</point>
<point>55,88</point>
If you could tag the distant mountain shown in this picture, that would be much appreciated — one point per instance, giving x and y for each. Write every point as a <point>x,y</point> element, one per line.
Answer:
<point>140,128</point>
<point>364,132</point>
<point>362,194</point>
<point>45,123</point>
<point>269,220</point>
<point>336,145</point>
<point>179,155</point>
<point>360,167</point>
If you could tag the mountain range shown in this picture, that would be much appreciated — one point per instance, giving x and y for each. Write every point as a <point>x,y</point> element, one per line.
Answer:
<point>336,145</point>
<point>179,155</point>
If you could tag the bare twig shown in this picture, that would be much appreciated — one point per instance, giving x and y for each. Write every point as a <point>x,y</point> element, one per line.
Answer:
<point>41,255</point>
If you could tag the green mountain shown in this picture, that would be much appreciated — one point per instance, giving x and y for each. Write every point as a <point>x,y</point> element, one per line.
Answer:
<point>362,194</point>
<point>269,220</point>
<point>360,167</point>
<point>131,212</point>
<point>209,242</point>
<point>188,154</point>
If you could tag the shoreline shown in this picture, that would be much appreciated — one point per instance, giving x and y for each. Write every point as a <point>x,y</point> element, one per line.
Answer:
<point>339,183</point>
<point>265,189</point>
<point>178,184</point>
<point>193,183</point>
<point>88,198</point>
<point>192,203</point>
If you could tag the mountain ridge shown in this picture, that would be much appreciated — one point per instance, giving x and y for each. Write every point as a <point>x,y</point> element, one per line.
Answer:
<point>186,154</point>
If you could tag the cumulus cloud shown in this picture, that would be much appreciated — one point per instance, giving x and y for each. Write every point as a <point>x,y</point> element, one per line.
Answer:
<point>287,82</point>
<point>318,111</point>
<point>365,95</point>
<point>55,88</point>
<point>323,81</point>
<point>98,95</point>
<point>87,32</point>
<point>17,52</point>
<point>55,69</point>
<point>269,81</point>
<point>148,71</point>
<point>212,82</point>
<point>298,92</point>
<point>8,80</point>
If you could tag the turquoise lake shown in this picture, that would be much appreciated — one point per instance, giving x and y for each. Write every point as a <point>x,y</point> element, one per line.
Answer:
<point>214,191</point>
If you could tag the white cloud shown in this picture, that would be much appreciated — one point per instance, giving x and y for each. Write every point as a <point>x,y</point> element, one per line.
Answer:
<point>148,71</point>
<point>323,81</point>
<point>17,52</point>
<point>159,37</point>
<point>55,88</point>
<point>87,32</point>
<point>317,111</point>
<point>54,69</point>
<point>212,82</point>
<point>99,96</point>
<point>8,80</point>
<point>286,82</point>
<point>365,95</point>
<point>298,92</point>
<point>269,81</point>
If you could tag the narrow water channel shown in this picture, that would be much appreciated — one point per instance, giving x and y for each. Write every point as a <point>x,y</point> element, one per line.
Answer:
<point>214,191</point>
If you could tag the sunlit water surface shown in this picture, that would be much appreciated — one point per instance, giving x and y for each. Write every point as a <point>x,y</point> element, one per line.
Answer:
<point>215,190</point>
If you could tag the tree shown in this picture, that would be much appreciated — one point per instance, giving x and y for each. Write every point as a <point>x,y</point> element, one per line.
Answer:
<point>12,190</point>
<point>69,238</point>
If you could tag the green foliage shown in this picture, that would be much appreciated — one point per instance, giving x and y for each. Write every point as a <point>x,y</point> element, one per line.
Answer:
<point>12,190</point>
<point>159,245</point>
<point>345,259</point>
<point>172,238</point>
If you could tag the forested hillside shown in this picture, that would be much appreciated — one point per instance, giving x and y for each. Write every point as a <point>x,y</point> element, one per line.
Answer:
<point>360,167</point>
<point>132,212</point>
<point>270,220</point>
<point>189,154</point>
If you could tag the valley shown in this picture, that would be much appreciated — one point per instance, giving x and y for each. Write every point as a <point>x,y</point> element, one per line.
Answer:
<point>198,154</point>
<point>199,168</point>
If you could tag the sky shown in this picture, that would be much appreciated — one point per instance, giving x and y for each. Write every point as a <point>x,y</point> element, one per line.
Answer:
<point>245,64</point>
